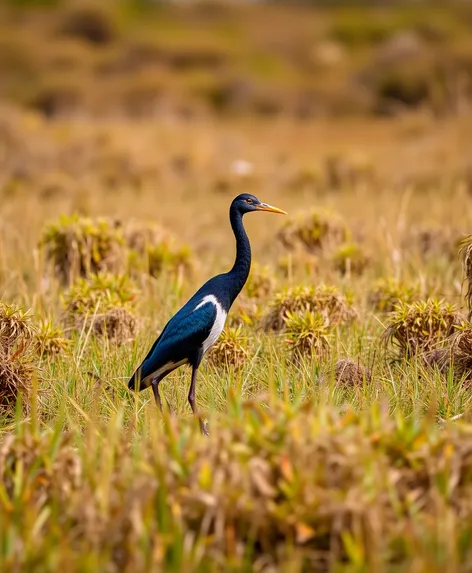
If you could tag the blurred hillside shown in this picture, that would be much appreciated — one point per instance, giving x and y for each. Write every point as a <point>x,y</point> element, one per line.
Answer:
<point>144,59</point>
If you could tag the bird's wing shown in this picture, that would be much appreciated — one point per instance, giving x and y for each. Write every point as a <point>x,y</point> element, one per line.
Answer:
<point>183,336</point>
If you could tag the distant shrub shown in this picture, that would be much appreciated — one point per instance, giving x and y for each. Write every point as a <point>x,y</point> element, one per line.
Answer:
<point>385,294</point>
<point>432,242</point>
<point>296,261</point>
<point>167,256</point>
<point>116,325</point>
<point>79,246</point>
<point>308,333</point>
<point>421,326</point>
<point>260,283</point>
<point>355,30</point>
<point>315,231</point>
<point>350,258</point>
<point>99,293</point>
<point>246,310</point>
<point>341,170</point>
<point>58,95</point>
<point>153,249</point>
<point>103,304</point>
<point>91,23</point>
<point>326,300</point>
<point>139,235</point>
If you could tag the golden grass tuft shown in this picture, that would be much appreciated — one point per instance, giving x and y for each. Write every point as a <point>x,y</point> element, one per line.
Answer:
<point>169,257</point>
<point>116,324</point>
<point>386,293</point>
<point>231,350</point>
<point>295,262</point>
<point>260,283</point>
<point>456,357</point>
<point>327,300</point>
<point>78,246</point>
<point>139,235</point>
<point>308,334</point>
<point>99,292</point>
<point>465,252</point>
<point>102,303</point>
<point>50,339</point>
<point>316,231</point>
<point>350,259</point>
<point>16,327</point>
<point>16,363</point>
<point>248,311</point>
<point>422,326</point>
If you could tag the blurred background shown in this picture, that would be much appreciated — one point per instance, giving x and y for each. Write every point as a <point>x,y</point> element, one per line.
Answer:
<point>357,107</point>
<point>189,59</point>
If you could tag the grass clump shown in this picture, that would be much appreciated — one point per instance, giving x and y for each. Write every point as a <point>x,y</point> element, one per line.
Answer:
<point>101,291</point>
<point>466,257</point>
<point>287,483</point>
<point>326,300</point>
<point>16,362</point>
<point>153,249</point>
<point>79,246</point>
<point>421,326</point>
<point>349,372</point>
<point>386,293</point>
<point>433,242</point>
<point>139,235</point>
<point>116,324</point>
<point>168,257</point>
<point>455,358</point>
<point>260,283</point>
<point>317,231</point>
<point>50,339</point>
<point>102,303</point>
<point>308,333</point>
<point>231,350</point>
<point>350,258</point>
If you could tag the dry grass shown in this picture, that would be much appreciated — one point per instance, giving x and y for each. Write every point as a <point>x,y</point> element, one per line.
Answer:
<point>326,300</point>
<point>16,364</point>
<point>421,326</point>
<point>120,128</point>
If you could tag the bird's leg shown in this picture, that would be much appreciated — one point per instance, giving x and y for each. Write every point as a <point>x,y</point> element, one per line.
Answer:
<point>191,399</point>
<point>155,391</point>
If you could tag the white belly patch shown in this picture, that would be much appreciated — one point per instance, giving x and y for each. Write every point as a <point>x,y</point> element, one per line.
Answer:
<point>219,323</point>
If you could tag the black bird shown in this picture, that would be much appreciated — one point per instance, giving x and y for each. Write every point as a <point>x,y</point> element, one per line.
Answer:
<point>199,323</point>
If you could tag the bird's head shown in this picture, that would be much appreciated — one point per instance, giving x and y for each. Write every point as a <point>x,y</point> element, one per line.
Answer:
<point>246,203</point>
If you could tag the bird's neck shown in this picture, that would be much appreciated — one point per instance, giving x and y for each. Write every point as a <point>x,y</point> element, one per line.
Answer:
<point>242,265</point>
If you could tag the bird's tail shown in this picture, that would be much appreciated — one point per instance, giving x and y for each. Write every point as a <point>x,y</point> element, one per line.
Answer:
<point>137,383</point>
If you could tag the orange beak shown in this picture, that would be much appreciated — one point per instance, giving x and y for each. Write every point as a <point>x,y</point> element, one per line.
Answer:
<point>270,209</point>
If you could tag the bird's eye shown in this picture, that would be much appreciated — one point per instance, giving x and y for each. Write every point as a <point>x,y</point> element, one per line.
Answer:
<point>249,201</point>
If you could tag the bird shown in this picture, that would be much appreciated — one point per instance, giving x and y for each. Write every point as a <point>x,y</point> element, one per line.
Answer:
<point>193,330</point>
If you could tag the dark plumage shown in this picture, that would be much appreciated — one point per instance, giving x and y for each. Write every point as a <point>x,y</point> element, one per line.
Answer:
<point>199,323</point>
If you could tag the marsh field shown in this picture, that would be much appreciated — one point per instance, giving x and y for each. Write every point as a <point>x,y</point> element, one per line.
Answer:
<point>339,396</point>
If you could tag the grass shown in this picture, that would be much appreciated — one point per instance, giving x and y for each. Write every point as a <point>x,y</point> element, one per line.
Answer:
<point>338,398</point>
